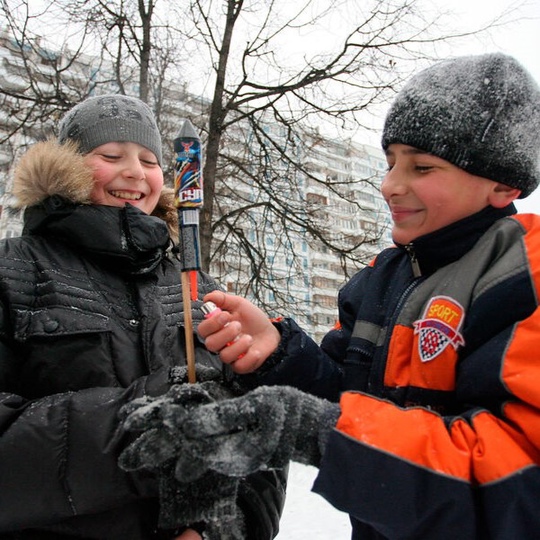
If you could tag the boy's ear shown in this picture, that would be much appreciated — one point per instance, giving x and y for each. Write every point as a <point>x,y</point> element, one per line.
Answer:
<point>502,195</point>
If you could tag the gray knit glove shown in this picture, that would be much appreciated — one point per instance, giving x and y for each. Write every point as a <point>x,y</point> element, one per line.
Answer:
<point>263,429</point>
<point>212,498</point>
<point>160,419</point>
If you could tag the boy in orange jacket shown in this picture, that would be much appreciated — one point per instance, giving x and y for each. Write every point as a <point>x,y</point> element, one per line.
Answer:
<point>422,407</point>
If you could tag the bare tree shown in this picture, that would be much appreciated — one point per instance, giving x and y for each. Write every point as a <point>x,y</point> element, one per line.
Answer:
<point>69,49</point>
<point>264,109</point>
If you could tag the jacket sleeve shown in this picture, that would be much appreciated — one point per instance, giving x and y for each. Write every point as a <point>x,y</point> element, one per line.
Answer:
<point>261,498</point>
<point>59,458</point>
<point>298,362</point>
<point>58,454</point>
<point>408,471</point>
<point>302,363</point>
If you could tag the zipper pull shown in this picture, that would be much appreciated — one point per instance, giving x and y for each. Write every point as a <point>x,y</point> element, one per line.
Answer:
<point>414,261</point>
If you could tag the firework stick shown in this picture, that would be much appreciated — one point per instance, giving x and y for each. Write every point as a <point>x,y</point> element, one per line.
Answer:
<point>188,199</point>
<point>188,328</point>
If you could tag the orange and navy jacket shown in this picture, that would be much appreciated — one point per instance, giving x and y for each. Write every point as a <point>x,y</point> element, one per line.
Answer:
<point>438,377</point>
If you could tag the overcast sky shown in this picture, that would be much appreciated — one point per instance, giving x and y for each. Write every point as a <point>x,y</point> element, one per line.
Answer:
<point>520,36</point>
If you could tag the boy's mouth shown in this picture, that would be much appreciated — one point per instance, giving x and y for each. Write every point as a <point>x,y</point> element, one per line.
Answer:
<point>399,214</point>
<point>130,196</point>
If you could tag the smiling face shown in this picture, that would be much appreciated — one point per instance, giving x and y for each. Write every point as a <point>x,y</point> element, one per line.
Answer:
<point>425,193</point>
<point>125,172</point>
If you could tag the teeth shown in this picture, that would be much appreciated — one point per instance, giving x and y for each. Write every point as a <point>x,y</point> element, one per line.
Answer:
<point>126,195</point>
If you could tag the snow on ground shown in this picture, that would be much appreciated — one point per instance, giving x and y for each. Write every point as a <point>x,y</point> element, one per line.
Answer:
<point>308,515</point>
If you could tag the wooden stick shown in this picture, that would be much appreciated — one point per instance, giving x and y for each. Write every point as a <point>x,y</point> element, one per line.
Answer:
<point>188,327</point>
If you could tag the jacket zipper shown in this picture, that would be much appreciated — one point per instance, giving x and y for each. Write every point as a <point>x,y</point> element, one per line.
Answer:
<point>376,383</point>
<point>409,248</point>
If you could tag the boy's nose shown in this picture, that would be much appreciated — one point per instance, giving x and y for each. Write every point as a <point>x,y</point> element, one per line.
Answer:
<point>393,183</point>
<point>134,169</point>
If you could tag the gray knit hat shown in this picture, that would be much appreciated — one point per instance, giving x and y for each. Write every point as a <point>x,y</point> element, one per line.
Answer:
<point>111,118</point>
<point>481,113</point>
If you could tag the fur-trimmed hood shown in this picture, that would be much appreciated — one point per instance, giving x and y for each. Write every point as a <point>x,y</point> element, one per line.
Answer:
<point>49,168</point>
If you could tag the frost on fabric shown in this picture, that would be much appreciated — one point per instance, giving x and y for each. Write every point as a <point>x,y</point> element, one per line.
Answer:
<point>481,113</point>
<point>203,439</point>
<point>210,497</point>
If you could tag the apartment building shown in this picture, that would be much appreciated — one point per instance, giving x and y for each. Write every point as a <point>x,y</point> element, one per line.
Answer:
<point>358,216</point>
<point>339,190</point>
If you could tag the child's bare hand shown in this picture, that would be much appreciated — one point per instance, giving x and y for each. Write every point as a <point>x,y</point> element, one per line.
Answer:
<point>241,333</point>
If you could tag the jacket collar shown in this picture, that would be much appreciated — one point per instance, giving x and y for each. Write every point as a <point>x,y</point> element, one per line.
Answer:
<point>125,239</point>
<point>446,245</point>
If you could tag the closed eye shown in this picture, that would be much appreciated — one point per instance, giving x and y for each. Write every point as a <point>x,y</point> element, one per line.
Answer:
<point>424,168</point>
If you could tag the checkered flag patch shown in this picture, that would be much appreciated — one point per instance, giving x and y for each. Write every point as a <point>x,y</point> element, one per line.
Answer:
<point>431,342</point>
<point>439,327</point>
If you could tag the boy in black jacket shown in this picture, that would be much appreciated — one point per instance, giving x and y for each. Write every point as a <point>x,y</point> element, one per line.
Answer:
<point>91,318</point>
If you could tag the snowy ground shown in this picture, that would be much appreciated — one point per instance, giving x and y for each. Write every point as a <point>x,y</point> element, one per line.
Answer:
<point>307,515</point>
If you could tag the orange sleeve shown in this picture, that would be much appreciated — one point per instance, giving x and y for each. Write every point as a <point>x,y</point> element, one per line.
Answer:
<point>484,450</point>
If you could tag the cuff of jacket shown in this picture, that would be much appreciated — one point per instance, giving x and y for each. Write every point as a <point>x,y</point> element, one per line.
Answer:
<point>284,328</point>
<point>252,380</point>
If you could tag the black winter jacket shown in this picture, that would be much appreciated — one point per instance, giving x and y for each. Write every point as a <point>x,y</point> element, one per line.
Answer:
<point>90,318</point>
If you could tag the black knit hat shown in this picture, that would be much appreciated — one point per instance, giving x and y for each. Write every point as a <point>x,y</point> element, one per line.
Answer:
<point>481,113</point>
<point>111,118</point>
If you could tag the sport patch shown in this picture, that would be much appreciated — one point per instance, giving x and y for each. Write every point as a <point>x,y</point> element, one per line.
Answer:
<point>439,327</point>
